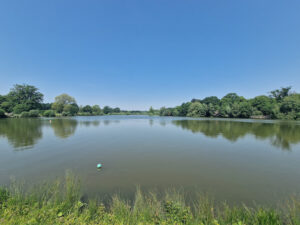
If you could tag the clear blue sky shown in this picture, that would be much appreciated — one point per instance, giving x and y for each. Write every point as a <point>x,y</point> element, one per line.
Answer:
<point>134,54</point>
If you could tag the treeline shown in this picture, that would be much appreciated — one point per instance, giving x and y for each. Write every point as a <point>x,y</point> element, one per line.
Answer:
<point>26,101</point>
<point>280,104</point>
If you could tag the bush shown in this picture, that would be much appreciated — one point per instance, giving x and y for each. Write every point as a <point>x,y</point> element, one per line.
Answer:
<point>2,113</point>
<point>34,113</point>
<point>24,115</point>
<point>49,113</point>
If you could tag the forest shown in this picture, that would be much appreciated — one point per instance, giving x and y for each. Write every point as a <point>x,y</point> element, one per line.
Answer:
<point>26,101</point>
<point>279,104</point>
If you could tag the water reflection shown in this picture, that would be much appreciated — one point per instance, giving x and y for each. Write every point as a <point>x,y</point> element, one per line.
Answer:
<point>21,133</point>
<point>25,133</point>
<point>281,135</point>
<point>64,128</point>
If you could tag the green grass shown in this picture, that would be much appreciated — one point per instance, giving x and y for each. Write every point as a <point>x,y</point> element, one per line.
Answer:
<point>61,203</point>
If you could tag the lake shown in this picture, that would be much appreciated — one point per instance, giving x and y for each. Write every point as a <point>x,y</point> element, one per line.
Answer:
<point>234,160</point>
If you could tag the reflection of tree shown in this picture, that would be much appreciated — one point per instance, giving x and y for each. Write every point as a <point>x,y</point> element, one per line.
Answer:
<point>21,133</point>
<point>64,128</point>
<point>89,123</point>
<point>280,134</point>
<point>108,122</point>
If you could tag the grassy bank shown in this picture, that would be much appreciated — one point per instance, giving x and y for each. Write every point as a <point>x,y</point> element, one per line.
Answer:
<point>61,203</point>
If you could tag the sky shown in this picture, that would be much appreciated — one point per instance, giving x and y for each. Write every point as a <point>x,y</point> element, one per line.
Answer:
<point>135,53</point>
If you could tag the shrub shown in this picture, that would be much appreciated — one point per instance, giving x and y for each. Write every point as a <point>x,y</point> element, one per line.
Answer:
<point>24,115</point>
<point>34,113</point>
<point>2,113</point>
<point>49,113</point>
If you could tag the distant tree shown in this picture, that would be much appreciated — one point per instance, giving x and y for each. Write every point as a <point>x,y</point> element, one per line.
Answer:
<point>64,99</point>
<point>195,100</point>
<point>87,109</point>
<point>211,100</point>
<point>264,104</point>
<point>280,94</point>
<point>291,103</point>
<point>213,110</point>
<point>151,110</point>
<point>107,110</point>
<point>225,111</point>
<point>245,109</point>
<point>183,109</point>
<point>71,109</point>
<point>61,101</point>
<point>197,109</point>
<point>96,109</point>
<point>27,95</point>
<point>231,98</point>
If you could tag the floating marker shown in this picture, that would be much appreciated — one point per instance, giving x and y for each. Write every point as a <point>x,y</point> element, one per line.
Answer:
<point>99,166</point>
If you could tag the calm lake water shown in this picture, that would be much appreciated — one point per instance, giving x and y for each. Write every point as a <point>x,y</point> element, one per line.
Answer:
<point>234,160</point>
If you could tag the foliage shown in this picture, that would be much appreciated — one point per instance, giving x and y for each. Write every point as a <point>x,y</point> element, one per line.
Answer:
<point>24,115</point>
<point>64,99</point>
<point>34,113</point>
<point>211,100</point>
<point>107,110</point>
<point>281,104</point>
<point>87,109</point>
<point>7,106</point>
<point>71,109</point>
<point>60,202</point>
<point>116,110</point>
<point>280,94</point>
<point>26,95</point>
<point>96,110</point>
<point>197,109</point>
<point>49,113</point>
<point>18,109</point>
<point>2,113</point>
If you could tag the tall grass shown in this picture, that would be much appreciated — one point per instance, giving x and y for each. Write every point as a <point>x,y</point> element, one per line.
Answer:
<point>60,202</point>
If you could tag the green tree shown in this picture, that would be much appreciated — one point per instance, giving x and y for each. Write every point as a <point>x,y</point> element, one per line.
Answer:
<point>231,98</point>
<point>183,109</point>
<point>225,110</point>
<point>117,110</point>
<point>26,95</point>
<point>71,109</point>
<point>87,109</point>
<point>245,109</point>
<point>62,101</point>
<point>291,104</point>
<point>96,110</point>
<point>264,104</point>
<point>65,99</point>
<point>280,94</point>
<point>197,109</point>
<point>211,100</point>
<point>107,110</point>
<point>151,110</point>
